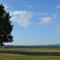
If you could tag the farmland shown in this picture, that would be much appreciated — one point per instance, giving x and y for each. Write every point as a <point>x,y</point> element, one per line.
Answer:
<point>29,53</point>
<point>5,56</point>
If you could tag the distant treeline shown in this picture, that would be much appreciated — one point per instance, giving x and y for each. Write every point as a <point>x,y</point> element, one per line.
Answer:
<point>35,46</point>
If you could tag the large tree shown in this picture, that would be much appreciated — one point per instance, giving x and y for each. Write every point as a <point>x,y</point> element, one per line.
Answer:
<point>5,26</point>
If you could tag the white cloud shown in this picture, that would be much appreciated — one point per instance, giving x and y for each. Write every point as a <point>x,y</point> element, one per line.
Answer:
<point>45,20</point>
<point>22,17</point>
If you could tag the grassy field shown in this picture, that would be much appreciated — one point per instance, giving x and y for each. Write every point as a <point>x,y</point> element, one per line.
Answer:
<point>5,56</point>
<point>29,54</point>
<point>33,49</point>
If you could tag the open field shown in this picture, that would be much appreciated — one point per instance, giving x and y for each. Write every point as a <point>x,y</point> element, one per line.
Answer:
<point>32,49</point>
<point>29,54</point>
<point>5,56</point>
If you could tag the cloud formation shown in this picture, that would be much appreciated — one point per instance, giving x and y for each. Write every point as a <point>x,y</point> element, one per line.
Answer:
<point>22,17</point>
<point>45,20</point>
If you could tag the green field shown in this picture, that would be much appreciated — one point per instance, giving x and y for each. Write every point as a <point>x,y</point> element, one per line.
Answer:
<point>33,49</point>
<point>28,54</point>
<point>5,56</point>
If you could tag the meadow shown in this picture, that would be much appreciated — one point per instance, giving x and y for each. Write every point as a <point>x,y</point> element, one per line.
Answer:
<point>5,56</point>
<point>29,54</point>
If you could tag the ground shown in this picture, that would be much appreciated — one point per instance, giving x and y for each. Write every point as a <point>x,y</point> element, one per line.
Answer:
<point>12,54</point>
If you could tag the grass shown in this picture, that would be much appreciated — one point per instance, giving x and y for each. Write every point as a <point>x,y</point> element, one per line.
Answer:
<point>28,54</point>
<point>33,49</point>
<point>5,56</point>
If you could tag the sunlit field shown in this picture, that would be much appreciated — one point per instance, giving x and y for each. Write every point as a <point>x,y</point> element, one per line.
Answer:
<point>28,54</point>
<point>5,56</point>
<point>32,49</point>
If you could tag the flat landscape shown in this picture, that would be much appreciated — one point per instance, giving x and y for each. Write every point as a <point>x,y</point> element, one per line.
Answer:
<point>29,29</point>
<point>5,56</point>
<point>29,53</point>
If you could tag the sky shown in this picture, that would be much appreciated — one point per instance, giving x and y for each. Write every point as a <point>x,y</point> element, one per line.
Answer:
<point>36,22</point>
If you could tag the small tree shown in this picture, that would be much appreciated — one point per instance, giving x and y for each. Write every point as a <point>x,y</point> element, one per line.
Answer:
<point>5,26</point>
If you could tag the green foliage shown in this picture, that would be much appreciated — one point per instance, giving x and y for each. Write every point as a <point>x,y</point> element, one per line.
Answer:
<point>5,26</point>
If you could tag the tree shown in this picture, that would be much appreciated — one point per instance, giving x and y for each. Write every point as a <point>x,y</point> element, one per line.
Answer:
<point>5,26</point>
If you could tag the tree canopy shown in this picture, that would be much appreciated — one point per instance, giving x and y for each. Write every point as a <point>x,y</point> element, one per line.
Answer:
<point>5,26</point>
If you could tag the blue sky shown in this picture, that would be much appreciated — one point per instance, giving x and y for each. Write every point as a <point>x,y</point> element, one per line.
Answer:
<point>36,22</point>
